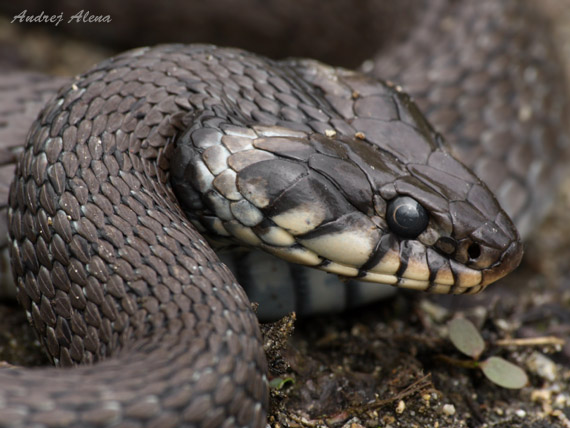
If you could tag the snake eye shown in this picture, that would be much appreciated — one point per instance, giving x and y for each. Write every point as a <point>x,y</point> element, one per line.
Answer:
<point>406,217</point>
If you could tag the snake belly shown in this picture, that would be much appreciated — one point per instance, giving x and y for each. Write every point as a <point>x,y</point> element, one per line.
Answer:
<point>111,270</point>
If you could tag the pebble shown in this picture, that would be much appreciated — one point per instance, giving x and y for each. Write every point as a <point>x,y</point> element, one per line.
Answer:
<point>448,409</point>
<point>543,366</point>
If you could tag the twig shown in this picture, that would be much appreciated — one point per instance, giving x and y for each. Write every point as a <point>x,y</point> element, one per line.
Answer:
<point>531,341</point>
<point>419,385</point>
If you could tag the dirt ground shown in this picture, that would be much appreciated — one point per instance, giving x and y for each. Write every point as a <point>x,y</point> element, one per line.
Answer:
<point>385,365</point>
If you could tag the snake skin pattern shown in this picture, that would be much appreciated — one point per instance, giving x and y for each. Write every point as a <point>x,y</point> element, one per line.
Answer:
<point>111,271</point>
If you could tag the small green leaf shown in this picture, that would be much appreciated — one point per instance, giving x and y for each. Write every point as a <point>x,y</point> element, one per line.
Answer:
<point>465,337</point>
<point>504,373</point>
<point>278,383</point>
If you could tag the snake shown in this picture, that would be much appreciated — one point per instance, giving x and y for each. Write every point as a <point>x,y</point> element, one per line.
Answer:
<point>136,168</point>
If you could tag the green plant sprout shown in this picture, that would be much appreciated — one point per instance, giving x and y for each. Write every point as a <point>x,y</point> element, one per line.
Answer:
<point>465,337</point>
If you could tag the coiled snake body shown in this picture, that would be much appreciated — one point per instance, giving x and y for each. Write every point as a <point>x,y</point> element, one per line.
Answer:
<point>311,163</point>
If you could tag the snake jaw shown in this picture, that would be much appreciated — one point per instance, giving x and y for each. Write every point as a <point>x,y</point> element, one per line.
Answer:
<point>469,265</point>
<point>401,263</point>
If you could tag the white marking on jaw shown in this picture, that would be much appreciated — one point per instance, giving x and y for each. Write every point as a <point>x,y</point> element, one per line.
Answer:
<point>472,281</point>
<point>394,280</point>
<point>440,288</point>
<point>379,278</point>
<point>389,264</point>
<point>351,247</point>
<point>413,284</point>
<point>244,234</point>
<point>417,268</point>
<point>417,274</point>
<point>444,276</point>
<point>294,255</point>
<point>465,277</point>
<point>277,237</point>
<point>301,219</point>
<point>341,270</point>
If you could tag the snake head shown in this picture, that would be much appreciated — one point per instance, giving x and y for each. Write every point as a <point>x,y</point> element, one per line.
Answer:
<point>372,194</point>
<point>347,207</point>
<point>431,226</point>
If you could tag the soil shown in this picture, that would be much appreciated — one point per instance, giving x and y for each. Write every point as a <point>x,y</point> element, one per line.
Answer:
<point>386,365</point>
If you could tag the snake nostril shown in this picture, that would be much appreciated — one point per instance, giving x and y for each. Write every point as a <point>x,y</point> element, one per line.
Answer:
<point>474,251</point>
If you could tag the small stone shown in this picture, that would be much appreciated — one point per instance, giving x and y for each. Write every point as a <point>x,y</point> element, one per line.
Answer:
<point>503,324</point>
<point>448,409</point>
<point>542,366</point>
<point>436,312</point>
<point>520,413</point>
<point>541,396</point>
<point>400,407</point>
<point>561,401</point>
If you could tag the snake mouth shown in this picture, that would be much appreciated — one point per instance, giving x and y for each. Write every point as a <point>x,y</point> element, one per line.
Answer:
<point>364,253</point>
<point>509,261</point>
<point>451,279</point>
<point>407,264</point>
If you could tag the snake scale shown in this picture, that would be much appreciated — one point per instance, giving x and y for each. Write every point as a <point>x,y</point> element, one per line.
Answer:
<point>316,164</point>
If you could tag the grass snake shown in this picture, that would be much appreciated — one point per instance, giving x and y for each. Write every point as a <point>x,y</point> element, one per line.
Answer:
<point>316,164</point>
